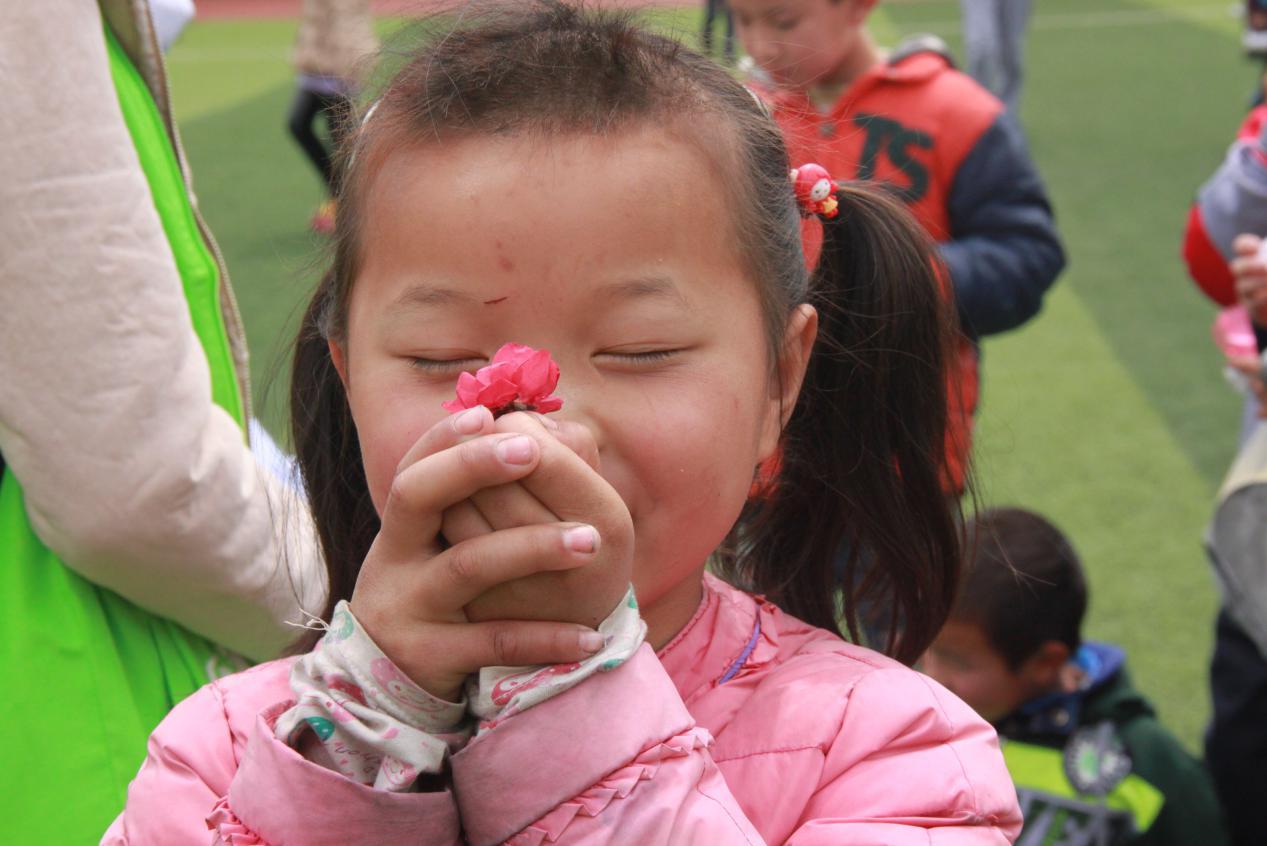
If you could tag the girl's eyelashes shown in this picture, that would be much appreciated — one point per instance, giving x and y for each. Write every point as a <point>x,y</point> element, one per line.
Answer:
<point>641,357</point>
<point>624,358</point>
<point>447,365</point>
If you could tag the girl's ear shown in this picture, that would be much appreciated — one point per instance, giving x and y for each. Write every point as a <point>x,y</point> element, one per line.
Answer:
<point>340,362</point>
<point>798,344</point>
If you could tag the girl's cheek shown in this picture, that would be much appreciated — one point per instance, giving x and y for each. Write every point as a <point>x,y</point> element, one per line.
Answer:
<point>382,450</point>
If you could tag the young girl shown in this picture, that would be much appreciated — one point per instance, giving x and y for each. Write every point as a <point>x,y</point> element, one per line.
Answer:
<point>564,179</point>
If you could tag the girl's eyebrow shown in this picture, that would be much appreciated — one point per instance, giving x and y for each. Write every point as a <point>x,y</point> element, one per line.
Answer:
<point>641,287</point>
<point>428,296</point>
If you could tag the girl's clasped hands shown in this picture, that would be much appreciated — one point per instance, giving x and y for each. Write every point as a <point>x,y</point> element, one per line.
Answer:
<point>500,545</point>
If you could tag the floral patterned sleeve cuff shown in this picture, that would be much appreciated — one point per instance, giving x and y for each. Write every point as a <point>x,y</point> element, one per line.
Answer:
<point>497,693</point>
<point>373,724</point>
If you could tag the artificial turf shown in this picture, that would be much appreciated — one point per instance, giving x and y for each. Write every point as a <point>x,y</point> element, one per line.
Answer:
<point>1107,413</point>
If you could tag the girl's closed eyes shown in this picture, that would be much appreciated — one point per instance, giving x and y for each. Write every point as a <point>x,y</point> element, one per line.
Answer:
<point>448,365</point>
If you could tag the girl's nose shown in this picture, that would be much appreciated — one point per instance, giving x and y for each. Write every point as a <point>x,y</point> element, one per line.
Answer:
<point>580,439</point>
<point>577,427</point>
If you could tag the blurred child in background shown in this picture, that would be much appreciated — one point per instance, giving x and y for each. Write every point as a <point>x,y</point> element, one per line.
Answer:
<point>1221,247</point>
<point>994,45</point>
<point>1085,749</point>
<point>1254,37</point>
<point>335,38</point>
<point>713,8</point>
<point>938,140</point>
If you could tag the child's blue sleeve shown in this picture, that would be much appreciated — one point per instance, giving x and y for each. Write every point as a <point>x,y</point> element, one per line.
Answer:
<point>1004,251</point>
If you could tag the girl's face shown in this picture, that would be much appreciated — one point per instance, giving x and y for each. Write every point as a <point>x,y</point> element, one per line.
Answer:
<point>616,256</point>
<point>801,43</point>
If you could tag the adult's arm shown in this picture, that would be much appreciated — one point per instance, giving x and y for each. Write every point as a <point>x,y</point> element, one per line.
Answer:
<point>130,472</point>
<point>1004,251</point>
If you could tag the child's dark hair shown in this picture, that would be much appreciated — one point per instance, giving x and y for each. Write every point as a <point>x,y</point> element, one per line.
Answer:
<point>1023,586</point>
<point>862,452</point>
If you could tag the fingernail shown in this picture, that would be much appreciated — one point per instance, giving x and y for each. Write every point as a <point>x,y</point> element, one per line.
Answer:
<point>590,642</point>
<point>517,450</point>
<point>547,422</point>
<point>470,421</point>
<point>581,539</point>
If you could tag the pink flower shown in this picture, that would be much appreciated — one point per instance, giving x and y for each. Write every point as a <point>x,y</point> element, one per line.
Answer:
<point>519,378</point>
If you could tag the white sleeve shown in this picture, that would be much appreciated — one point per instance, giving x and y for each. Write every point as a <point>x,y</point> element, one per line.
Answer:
<point>131,473</point>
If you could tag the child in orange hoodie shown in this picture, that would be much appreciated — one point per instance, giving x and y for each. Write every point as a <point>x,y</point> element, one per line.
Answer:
<point>939,140</point>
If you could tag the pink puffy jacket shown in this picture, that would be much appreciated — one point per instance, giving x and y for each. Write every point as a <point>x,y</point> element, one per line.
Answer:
<point>749,727</point>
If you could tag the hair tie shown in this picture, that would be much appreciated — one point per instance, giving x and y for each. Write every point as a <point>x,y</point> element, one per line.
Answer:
<point>815,191</point>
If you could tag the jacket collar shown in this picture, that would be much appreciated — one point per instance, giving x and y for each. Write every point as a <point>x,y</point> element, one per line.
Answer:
<point>731,634</point>
<point>1060,713</point>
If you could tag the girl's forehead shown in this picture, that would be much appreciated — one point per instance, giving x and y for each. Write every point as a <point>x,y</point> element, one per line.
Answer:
<point>484,212</point>
<point>641,155</point>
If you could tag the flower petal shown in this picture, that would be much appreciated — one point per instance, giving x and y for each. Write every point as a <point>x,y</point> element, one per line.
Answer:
<point>512,354</point>
<point>517,374</point>
<point>538,374</point>
<point>498,394</point>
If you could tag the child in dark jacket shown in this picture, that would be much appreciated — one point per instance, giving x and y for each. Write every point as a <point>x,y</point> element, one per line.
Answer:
<point>1091,761</point>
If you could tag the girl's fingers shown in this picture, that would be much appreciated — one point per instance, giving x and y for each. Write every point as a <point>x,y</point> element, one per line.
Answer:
<point>439,657</point>
<point>455,577</point>
<point>1245,364</point>
<point>509,506</point>
<point>424,490</point>
<point>1248,267</point>
<point>463,522</point>
<point>1246,244</point>
<point>564,482</point>
<point>1248,272</point>
<point>575,436</point>
<point>509,643</point>
<point>450,431</point>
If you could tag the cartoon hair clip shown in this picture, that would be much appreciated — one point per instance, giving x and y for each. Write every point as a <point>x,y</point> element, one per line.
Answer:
<point>815,191</point>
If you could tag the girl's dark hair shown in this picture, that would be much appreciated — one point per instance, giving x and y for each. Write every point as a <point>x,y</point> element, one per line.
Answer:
<point>1024,585</point>
<point>863,451</point>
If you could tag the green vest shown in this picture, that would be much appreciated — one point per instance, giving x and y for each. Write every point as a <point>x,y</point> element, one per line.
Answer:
<point>89,675</point>
<point>1059,813</point>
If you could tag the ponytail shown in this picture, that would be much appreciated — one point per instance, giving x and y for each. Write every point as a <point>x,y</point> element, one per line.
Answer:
<point>861,474</point>
<point>329,455</point>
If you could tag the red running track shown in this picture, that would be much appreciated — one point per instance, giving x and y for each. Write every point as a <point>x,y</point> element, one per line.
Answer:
<point>291,8</point>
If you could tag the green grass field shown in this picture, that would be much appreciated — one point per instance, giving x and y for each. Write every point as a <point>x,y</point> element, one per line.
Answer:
<point>1107,413</point>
